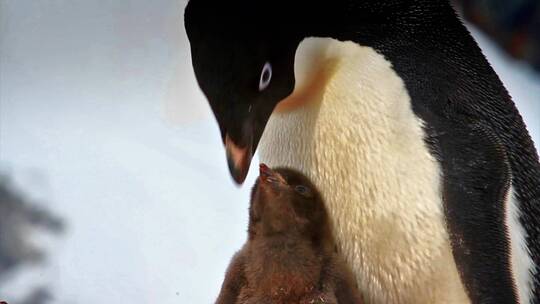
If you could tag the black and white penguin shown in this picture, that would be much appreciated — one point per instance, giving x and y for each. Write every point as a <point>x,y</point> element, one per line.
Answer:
<point>431,180</point>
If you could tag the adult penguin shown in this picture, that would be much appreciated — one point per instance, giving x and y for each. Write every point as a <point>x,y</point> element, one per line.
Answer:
<point>431,179</point>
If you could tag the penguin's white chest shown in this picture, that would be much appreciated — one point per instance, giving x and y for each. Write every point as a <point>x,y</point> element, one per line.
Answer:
<point>359,141</point>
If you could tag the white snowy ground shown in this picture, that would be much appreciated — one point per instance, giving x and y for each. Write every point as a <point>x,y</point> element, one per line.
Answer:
<point>101,118</point>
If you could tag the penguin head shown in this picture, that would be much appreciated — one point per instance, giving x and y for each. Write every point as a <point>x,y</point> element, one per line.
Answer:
<point>243,60</point>
<point>243,53</point>
<point>284,201</point>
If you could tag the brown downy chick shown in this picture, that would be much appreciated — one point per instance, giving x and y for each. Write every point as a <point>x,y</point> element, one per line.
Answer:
<point>289,257</point>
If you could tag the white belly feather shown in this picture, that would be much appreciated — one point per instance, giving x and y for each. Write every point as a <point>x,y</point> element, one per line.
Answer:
<point>359,141</point>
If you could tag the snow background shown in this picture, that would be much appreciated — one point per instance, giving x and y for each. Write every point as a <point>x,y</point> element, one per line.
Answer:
<point>101,121</point>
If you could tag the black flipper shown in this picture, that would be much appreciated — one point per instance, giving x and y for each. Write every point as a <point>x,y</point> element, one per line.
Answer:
<point>476,179</point>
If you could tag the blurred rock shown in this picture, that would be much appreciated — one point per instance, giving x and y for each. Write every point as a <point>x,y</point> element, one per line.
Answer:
<point>39,296</point>
<point>19,219</point>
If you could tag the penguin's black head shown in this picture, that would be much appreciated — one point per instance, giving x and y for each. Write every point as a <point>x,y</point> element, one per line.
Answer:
<point>243,59</point>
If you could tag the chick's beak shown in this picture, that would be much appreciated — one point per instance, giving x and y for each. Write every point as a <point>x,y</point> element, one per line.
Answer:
<point>267,175</point>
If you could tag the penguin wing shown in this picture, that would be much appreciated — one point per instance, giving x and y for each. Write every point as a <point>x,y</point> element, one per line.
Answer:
<point>346,292</point>
<point>234,280</point>
<point>476,182</point>
<point>338,279</point>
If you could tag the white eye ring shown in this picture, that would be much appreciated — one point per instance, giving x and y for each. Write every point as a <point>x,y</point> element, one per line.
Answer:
<point>266,76</point>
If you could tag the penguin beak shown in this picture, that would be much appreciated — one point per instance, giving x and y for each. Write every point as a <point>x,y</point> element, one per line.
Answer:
<point>241,135</point>
<point>238,159</point>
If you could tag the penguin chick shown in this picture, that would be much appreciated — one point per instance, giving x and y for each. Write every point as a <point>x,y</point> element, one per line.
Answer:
<point>289,257</point>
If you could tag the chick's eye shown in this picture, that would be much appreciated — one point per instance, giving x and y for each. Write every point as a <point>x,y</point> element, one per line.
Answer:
<point>266,76</point>
<point>302,189</point>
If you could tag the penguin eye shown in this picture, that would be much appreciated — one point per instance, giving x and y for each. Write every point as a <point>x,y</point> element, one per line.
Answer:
<point>266,76</point>
<point>303,190</point>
